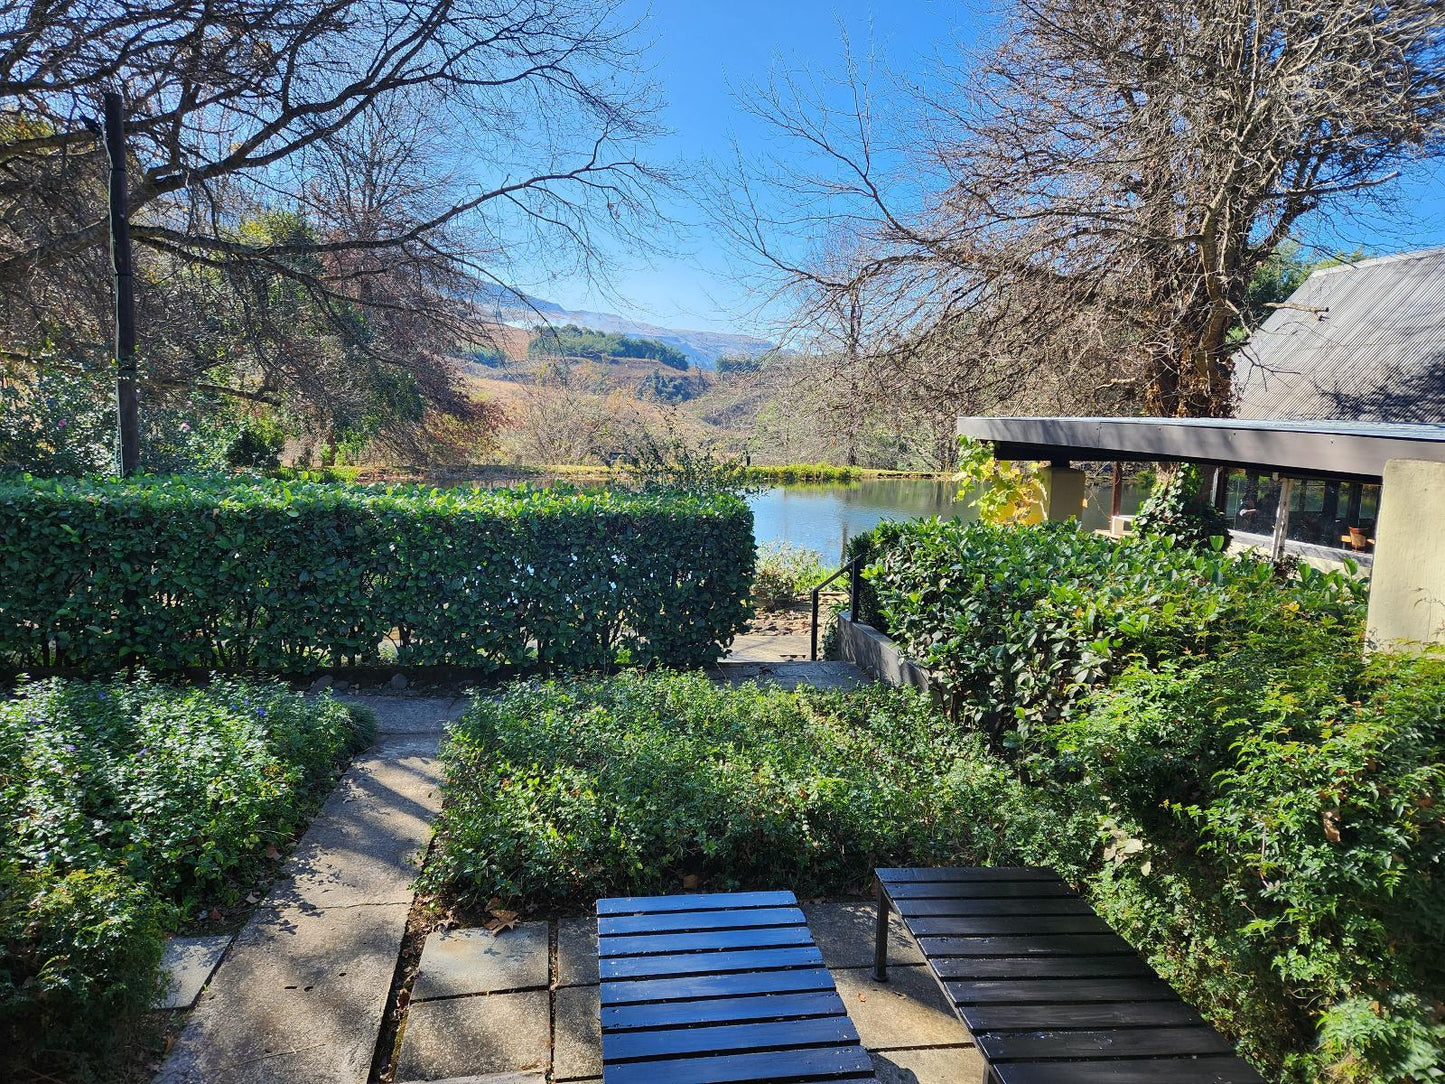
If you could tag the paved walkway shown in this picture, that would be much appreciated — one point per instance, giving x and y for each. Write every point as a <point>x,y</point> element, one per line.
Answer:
<point>777,637</point>
<point>300,995</point>
<point>523,1006</point>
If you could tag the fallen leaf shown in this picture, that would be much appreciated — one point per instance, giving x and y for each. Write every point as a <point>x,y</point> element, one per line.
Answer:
<point>691,880</point>
<point>271,851</point>
<point>217,915</point>
<point>1330,821</point>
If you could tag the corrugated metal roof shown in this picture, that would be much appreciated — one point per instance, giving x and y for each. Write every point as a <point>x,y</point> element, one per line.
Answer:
<point>1359,341</point>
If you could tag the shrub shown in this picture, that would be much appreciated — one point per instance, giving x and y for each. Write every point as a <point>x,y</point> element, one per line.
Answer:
<point>1266,795</point>
<point>1179,510</point>
<point>785,573</point>
<point>80,960</point>
<point>178,788</point>
<point>266,575</point>
<point>566,791</point>
<point>1018,623</point>
<point>126,806</point>
<point>1294,794</point>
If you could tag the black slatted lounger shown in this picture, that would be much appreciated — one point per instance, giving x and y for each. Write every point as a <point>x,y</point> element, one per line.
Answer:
<point>1049,992</point>
<point>706,989</point>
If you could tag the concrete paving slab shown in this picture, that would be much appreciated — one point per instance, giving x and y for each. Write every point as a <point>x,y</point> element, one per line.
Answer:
<point>576,951</point>
<point>844,933</point>
<point>300,996</point>
<point>906,1011</point>
<point>457,962</point>
<point>188,963</point>
<point>495,1033</point>
<point>577,1044</point>
<point>366,845</point>
<point>411,714</point>
<point>490,1078</point>
<point>929,1066</point>
<point>789,675</point>
<point>770,647</point>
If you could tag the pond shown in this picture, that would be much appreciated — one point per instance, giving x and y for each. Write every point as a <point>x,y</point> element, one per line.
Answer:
<point>824,517</point>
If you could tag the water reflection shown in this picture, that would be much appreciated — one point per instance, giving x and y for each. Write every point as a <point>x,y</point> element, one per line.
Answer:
<point>824,517</point>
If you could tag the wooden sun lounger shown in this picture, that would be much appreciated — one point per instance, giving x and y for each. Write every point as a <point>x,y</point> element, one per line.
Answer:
<point>707,989</point>
<point>1050,994</point>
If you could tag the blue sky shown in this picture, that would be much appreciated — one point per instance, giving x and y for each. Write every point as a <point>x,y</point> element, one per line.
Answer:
<point>703,50</point>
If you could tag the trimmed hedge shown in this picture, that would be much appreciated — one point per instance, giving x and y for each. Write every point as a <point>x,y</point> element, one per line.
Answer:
<point>264,575</point>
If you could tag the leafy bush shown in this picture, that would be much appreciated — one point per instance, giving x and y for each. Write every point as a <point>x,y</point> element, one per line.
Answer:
<point>1293,792</point>
<point>785,573</point>
<point>60,421</point>
<point>566,791</point>
<point>1018,623</point>
<point>80,960</point>
<point>265,575</point>
<point>177,788</point>
<point>1179,510</point>
<point>1267,796</point>
<point>124,807</point>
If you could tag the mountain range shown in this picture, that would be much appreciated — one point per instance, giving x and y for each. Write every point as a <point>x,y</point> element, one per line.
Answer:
<point>702,348</point>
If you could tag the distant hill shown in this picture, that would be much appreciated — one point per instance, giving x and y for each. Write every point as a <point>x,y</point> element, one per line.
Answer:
<point>702,348</point>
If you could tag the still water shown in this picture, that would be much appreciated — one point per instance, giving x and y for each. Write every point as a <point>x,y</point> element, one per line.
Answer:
<point>824,517</point>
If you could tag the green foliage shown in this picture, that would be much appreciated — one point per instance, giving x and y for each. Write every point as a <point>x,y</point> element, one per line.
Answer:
<point>1267,798</point>
<point>668,461</point>
<point>56,422</point>
<point>263,575</point>
<point>61,422</point>
<point>125,806</point>
<point>1006,492</point>
<point>672,388</point>
<point>1178,509</point>
<point>177,788</point>
<point>80,960</point>
<point>257,446</point>
<point>729,363</point>
<point>792,473</point>
<point>571,341</point>
<point>1018,623</point>
<point>785,573</point>
<point>563,792</point>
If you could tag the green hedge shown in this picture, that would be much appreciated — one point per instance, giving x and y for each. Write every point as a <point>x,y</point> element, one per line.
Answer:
<point>263,575</point>
<point>126,809</point>
<point>1019,623</point>
<point>1268,799</point>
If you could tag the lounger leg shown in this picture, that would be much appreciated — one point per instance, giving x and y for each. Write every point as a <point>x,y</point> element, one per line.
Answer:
<point>880,936</point>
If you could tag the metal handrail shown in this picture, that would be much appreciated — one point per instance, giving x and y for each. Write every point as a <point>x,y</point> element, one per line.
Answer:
<point>854,569</point>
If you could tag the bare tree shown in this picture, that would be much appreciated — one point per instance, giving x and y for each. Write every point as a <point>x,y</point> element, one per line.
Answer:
<point>422,146</point>
<point>1099,189</point>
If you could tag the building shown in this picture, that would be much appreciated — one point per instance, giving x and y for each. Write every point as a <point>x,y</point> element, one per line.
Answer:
<point>1357,342</point>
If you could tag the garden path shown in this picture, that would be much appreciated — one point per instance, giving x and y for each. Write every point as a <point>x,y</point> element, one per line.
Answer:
<point>301,993</point>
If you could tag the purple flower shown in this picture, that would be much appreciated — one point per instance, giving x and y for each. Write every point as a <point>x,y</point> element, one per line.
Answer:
<point>60,424</point>
<point>69,748</point>
<point>185,427</point>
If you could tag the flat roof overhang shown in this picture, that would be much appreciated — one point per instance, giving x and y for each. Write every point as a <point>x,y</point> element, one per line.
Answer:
<point>1349,451</point>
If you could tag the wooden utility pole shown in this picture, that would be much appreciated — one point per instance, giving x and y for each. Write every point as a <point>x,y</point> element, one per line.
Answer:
<point>127,397</point>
